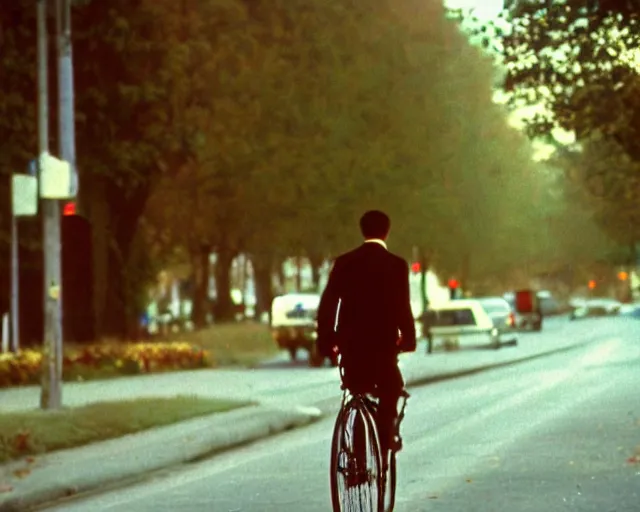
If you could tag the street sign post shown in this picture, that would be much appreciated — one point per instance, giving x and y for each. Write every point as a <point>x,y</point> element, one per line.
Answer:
<point>24,203</point>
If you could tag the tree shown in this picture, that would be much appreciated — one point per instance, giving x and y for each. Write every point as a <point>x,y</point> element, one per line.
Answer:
<point>579,60</point>
<point>351,115</point>
<point>613,203</point>
<point>18,145</point>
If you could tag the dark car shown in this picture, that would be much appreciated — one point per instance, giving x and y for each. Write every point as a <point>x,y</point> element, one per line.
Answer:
<point>526,305</point>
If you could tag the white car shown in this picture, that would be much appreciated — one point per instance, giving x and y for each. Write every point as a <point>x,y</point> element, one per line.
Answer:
<point>595,308</point>
<point>465,322</point>
<point>293,323</point>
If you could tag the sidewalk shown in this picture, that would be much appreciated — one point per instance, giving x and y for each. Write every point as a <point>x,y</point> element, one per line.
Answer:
<point>65,473</point>
<point>288,397</point>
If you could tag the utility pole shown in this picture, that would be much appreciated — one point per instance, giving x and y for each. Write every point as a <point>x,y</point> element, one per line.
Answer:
<point>51,390</point>
<point>67,132</point>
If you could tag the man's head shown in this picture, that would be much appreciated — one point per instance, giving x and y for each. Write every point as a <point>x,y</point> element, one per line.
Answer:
<point>375,224</point>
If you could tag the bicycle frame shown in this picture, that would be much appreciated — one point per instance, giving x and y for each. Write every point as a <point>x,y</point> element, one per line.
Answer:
<point>372,401</point>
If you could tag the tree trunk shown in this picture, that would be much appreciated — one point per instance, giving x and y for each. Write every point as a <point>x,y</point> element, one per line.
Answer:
<point>201,270</point>
<point>224,308</point>
<point>282,280</point>
<point>298,273</point>
<point>316,262</point>
<point>263,284</point>
<point>634,255</point>
<point>464,272</point>
<point>97,209</point>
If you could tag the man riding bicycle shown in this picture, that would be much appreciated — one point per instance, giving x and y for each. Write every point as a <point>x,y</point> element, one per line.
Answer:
<point>363,308</point>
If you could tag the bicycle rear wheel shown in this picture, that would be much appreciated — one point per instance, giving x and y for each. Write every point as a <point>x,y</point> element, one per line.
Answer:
<point>355,461</point>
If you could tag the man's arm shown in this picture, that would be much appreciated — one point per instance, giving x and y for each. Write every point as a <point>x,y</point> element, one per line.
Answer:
<point>327,310</point>
<point>406,322</point>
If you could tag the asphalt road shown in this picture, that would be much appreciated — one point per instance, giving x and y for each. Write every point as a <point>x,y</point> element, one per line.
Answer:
<point>554,434</point>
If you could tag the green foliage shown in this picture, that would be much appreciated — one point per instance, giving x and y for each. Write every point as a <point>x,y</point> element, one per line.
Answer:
<point>347,109</point>
<point>269,127</point>
<point>17,109</point>
<point>580,62</point>
<point>606,181</point>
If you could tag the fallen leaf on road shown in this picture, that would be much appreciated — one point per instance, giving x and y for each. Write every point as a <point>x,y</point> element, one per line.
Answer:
<point>432,497</point>
<point>469,480</point>
<point>633,460</point>
<point>30,460</point>
<point>5,488</point>
<point>22,473</point>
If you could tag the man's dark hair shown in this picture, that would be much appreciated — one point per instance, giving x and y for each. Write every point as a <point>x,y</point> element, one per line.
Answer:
<point>375,224</point>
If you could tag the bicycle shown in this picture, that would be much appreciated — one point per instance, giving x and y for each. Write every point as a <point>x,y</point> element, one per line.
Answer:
<point>357,414</point>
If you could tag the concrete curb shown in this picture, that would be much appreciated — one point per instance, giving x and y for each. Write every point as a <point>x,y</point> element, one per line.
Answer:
<point>330,406</point>
<point>80,470</point>
<point>431,379</point>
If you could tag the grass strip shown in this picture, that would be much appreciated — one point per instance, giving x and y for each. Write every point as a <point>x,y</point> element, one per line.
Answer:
<point>30,433</point>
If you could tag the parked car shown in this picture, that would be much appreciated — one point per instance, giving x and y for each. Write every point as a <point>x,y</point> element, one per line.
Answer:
<point>595,308</point>
<point>500,312</point>
<point>293,322</point>
<point>466,322</point>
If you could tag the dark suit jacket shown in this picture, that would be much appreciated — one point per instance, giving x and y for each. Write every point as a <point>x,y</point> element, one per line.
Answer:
<point>368,288</point>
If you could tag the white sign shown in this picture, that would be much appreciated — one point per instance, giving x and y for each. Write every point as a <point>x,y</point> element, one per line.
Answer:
<point>55,178</point>
<point>24,192</point>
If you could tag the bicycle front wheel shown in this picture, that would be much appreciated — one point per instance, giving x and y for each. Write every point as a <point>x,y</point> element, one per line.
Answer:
<point>355,462</point>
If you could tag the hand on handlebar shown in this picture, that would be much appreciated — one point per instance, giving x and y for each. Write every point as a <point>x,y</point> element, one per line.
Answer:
<point>402,347</point>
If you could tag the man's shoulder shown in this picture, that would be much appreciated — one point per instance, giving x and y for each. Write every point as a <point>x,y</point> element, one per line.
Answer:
<point>361,252</point>
<point>398,260</point>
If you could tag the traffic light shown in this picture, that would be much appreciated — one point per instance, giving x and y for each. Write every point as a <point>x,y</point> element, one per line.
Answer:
<point>453,288</point>
<point>415,267</point>
<point>69,209</point>
<point>592,285</point>
<point>623,276</point>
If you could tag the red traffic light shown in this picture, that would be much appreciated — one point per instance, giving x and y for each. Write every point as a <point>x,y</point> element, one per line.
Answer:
<point>415,267</point>
<point>453,283</point>
<point>69,208</point>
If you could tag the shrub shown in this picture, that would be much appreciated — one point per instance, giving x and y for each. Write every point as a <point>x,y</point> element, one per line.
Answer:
<point>105,360</point>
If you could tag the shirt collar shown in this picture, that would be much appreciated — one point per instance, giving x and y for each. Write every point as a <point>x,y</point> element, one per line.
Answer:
<point>376,241</point>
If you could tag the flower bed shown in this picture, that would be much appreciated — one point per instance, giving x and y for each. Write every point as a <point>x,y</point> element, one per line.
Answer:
<point>105,360</point>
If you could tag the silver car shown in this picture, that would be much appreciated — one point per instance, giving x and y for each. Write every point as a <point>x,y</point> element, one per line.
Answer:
<point>500,312</point>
